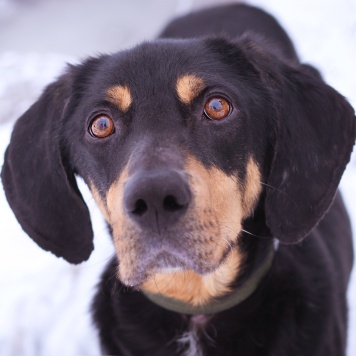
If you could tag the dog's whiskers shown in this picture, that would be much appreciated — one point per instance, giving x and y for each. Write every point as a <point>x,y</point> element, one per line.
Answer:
<point>229,243</point>
<point>260,237</point>
<point>279,190</point>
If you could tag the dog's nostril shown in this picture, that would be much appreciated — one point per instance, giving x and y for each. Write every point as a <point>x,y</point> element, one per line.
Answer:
<point>156,200</point>
<point>140,207</point>
<point>170,203</point>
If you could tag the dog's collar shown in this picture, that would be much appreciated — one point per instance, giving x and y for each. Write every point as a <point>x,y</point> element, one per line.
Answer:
<point>220,304</point>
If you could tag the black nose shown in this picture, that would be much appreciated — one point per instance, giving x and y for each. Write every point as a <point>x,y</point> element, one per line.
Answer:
<point>156,200</point>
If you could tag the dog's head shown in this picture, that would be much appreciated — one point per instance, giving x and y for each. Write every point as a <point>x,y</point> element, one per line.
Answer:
<point>178,140</point>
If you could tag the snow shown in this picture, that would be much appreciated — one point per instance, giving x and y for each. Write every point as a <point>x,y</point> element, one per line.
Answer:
<point>44,300</point>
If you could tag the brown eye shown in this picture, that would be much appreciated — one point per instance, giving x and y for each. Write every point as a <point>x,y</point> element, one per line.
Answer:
<point>217,108</point>
<point>102,126</point>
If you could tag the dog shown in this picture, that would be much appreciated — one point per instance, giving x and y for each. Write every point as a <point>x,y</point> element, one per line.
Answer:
<point>215,157</point>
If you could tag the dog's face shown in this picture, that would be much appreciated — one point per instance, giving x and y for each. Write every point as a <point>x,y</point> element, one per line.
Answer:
<point>177,141</point>
<point>171,148</point>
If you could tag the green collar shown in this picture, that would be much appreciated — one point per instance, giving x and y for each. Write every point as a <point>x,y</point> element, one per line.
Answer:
<point>220,304</point>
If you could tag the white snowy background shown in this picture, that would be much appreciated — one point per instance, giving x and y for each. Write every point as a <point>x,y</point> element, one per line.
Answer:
<point>44,301</point>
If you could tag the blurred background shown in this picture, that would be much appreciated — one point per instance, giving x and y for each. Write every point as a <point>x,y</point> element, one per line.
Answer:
<point>44,301</point>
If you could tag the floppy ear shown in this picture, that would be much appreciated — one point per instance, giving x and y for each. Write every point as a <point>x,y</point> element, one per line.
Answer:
<point>314,140</point>
<point>39,184</point>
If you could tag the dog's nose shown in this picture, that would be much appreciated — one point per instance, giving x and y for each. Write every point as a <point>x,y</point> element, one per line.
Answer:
<point>156,200</point>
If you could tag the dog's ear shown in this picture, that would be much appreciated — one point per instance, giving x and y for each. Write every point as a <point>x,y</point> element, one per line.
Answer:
<point>314,137</point>
<point>39,184</point>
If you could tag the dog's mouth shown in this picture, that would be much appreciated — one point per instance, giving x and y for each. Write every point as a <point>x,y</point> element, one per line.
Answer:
<point>149,266</point>
<point>169,253</point>
<point>178,267</point>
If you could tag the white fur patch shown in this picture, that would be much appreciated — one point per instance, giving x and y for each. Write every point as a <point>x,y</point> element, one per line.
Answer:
<point>190,341</point>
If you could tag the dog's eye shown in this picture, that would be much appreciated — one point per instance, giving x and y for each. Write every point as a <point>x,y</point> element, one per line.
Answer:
<point>217,108</point>
<point>102,126</point>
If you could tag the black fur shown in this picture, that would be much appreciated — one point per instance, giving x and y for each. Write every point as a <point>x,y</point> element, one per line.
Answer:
<point>299,130</point>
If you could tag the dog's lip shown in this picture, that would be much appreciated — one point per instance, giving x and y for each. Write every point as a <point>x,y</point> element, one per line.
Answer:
<point>165,262</point>
<point>163,256</point>
<point>168,270</point>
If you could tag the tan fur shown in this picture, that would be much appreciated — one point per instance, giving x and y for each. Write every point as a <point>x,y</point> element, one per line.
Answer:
<point>188,88</point>
<point>252,188</point>
<point>217,211</point>
<point>99,201</point>
<point>113,212</point>
<point>209,228</point>
<point>217,198</point>
<point>123,229</point>
<point>190,287</point>
<point>120,96</point>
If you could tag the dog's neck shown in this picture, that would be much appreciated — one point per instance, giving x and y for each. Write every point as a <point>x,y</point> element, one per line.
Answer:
<point>217,305</point>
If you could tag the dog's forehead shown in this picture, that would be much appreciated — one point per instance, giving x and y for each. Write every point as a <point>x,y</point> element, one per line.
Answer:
<point>160,66</point>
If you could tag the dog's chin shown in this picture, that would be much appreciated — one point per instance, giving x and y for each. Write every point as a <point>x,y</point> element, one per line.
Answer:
<point>150,265</point>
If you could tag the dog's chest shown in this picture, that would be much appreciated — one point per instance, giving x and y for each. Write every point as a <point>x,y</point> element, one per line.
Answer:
<point>191,342</point>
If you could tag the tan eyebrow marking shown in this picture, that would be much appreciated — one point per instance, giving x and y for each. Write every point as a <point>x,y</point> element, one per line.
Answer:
<point>120,96</point>
<point>189,87</point>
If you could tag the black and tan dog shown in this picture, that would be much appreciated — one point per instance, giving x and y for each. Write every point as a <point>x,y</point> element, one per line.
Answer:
<point>203,150</point>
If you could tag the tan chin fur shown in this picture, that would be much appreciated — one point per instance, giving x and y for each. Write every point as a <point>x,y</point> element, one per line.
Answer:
<point>193,288</point>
